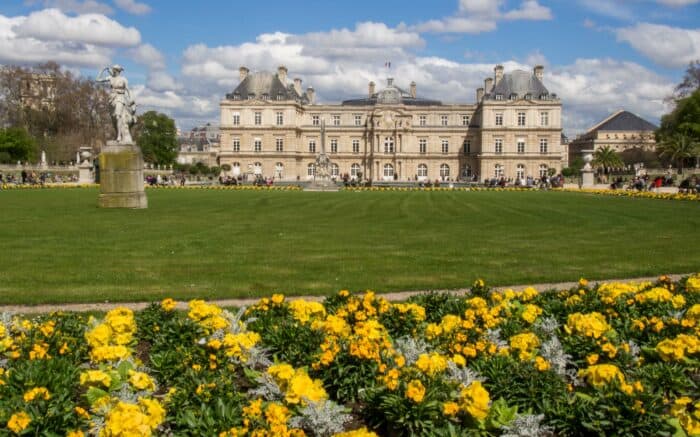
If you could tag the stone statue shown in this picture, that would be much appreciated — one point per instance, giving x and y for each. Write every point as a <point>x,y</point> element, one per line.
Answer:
<point>323,162</point>
<point>123,105</point>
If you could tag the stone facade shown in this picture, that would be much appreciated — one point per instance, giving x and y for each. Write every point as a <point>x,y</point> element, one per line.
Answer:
<point>272,128</point>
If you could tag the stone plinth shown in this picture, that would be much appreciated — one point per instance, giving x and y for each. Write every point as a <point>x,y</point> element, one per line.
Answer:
<point>121,176</point>
<point>85,173</point>
<point>587,180</point>
<point>321,185</point>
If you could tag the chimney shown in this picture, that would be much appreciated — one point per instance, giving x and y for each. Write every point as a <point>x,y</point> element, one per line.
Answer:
<point>498,74</point>
<point>243,72</point>
<point>488,85</point>
<point>282,74</point>
<point>413,90</point>
<point>311,95</point>
<point>297,85</point>
<point>479,95</point>
<point>539,72</point>
<point>371,89</point>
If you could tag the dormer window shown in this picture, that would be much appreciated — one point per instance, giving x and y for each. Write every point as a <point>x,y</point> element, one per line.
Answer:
<point>236,96</point>
<point>499,96</point>
<point>266,96</point>
<point>513,96</point>
<point>251,96</point>
<point>528,96</point>
<point>280,96</point>
<point>544,96</point>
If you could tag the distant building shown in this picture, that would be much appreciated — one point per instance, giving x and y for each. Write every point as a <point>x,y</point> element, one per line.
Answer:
<point>622,131</point>
<point>201,144</point>
<point>38,91</point>
<point>272,127</point>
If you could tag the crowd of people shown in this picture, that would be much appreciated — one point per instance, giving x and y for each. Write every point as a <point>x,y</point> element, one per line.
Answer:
<point>32,178</point>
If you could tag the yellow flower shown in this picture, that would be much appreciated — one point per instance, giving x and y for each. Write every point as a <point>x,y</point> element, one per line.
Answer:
<point>81,412</point>
<point>431,364</point>
<point>450,408</point>
<point>95,377</point>
<point>541,364</point>
<point>609,349</point>
<point>18,422</point>
<point>141,381</point>
<point>531,313</point>
<point>475,400</point>
<point>277,299</point>
<point>601,374</point>
<point>362,432</point>
<point>75,433</point>
<point>40,392</point>
<point>168,304</point>
<point>592,359</point>
<point>415,391</point>
<point>589,325</point>
<point>525,344</point>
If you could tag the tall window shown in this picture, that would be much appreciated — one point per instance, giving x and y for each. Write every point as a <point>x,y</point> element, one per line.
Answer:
<point>257,168</point>
<point>236,168</point>
<point>520,171</point>
<point>445,146</point>
<point>315,120</point>
<point>467,171</point>
<point>521,145</point>
<point>543,145</point>
<point>355,146</point>
<point>258,118</point>
<point>280,118</point>
<point>444,171</point>
<point>279,168</point>
<point>311,170</point>
<point>335,170</point>
<point>312,146</point>
<point>334,145</point>
<point>389,145</point>
<point>498,170</point>
<point>543,170</point>
<point>279,144</point>
<point>236,144</point>
<point>388,171</point>
<point>521,119</point>
<point>466,146</point>
<point>422,171</point>
<point>336,120</point>
<point>499,119</point>
<point>544,118</point>
<point>236,118</point>
<point>257,145</point>
<point>498,146</point>
<point>358,120</point>
<point>422,120</point>
<point>465,120</point>
<point>422,145</point>
<point>355,170</point>
<point>443,120</point>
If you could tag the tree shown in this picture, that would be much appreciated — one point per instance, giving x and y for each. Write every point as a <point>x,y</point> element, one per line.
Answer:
<point>607,158</point>
<point>690,82</point>
<point>678,148</point>
<point>157,137</point>
<point>16,145</point>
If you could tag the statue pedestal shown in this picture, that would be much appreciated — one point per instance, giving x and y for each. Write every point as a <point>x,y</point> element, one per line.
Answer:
<point>85,173</point>
<point>587,180</point>
<point>321,185</point>
<point>121,176</point>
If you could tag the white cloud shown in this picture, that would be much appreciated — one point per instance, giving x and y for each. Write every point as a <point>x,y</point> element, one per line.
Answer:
<point>678,3</point>
<point>74,6</point>
<point>133,7</point>
<point>607,8</point>
<point>147,55</point>
<point>53,25</point>
<point>477,16</point>
<point>28,50</point>
<point>665,45</point>
<point>162,81</point>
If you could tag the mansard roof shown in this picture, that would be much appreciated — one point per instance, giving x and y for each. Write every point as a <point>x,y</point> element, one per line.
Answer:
<point>519,83</point>
<point>263,84</point>
<point>391,95</point>
<point>624,121</point>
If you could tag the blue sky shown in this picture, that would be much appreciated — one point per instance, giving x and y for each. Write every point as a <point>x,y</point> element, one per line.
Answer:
<point>181,57</point>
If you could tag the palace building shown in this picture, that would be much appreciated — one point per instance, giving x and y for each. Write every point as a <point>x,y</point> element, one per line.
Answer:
<point>272,127</point>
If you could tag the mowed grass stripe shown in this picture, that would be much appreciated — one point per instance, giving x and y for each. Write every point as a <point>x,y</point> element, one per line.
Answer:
<point>56,246</point>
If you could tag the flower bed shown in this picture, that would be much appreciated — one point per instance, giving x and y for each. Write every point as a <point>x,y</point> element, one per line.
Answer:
<point>615,358</point>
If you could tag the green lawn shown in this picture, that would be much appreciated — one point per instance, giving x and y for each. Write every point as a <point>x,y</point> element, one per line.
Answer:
<point>57,246</point>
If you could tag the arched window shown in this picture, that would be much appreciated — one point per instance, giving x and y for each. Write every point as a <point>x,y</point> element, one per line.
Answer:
<point>388,171</point>
<point>498,170</point>
<point>311,170</point>
<point>422,171</point>
<point>543,170</point>
<point>236,167</point>
<point>257,168</point>
<point>389,145</point>
<point>355,170</point>
<point>444,171</point>
<point>520,171</point>
<point>335,170</point>
<point>279,168</point>
<point>466,171</point>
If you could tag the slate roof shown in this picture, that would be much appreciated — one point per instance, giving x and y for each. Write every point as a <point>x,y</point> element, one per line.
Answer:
<point>624,121</point>
<point>263,83</point>
<point>391,95</point>
<point>520,83</point>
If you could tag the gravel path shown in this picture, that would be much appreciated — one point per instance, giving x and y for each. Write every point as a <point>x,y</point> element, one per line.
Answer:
<point>395,296</point>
